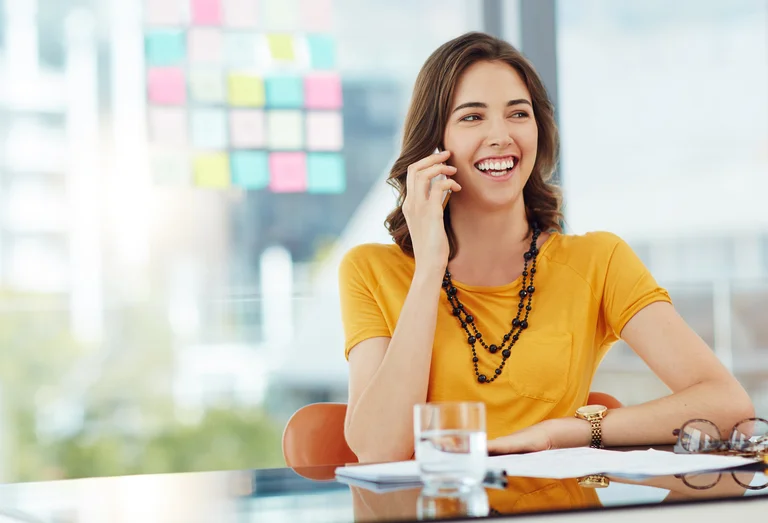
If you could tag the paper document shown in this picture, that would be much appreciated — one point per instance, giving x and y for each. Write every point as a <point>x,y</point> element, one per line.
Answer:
<point>562,464</point>
<point>574,463</point>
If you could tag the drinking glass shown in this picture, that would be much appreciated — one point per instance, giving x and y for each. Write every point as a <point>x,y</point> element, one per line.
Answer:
<point>450,443</point>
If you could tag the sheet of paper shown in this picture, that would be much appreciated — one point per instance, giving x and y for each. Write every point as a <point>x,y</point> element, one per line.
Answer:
<point>566,463</point>
<point>572,463</point>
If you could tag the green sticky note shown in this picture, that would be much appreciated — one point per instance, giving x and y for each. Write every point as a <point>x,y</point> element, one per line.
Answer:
<point>322,52</point>
<point>326,173</point>
<point>246,90</point>
<point>165,48</point>
<point>281,47</point>
<point>212,170</point>
<point>250,169</point>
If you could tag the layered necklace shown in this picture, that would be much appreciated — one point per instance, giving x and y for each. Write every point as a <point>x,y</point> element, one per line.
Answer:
<point>519,323</point>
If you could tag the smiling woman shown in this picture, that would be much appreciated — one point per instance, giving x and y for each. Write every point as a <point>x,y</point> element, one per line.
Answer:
<point>487,300</point>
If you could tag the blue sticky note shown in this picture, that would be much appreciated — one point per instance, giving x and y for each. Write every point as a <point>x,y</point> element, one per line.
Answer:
<point>322,52</point>
<point>284,92</point>
<point>326,173</point>
<point>165,47</point>
<point>250,169</point>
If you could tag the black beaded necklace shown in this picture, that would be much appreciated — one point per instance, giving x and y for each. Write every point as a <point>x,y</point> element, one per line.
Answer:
<point>518,325</point>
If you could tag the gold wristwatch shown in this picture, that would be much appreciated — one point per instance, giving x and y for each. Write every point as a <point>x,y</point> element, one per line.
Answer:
<point>594,414</point>
<point>594,481</point>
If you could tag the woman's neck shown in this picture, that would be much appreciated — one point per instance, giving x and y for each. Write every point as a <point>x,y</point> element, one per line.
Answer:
<point>490,244</point>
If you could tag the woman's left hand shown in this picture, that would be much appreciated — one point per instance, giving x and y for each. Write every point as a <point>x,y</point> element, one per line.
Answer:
<point>547,435</point>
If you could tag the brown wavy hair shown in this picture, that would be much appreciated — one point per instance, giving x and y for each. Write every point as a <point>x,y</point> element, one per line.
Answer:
<point>428,116</point>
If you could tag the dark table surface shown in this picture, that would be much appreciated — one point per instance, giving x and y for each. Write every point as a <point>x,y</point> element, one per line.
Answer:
<point>311,495</point>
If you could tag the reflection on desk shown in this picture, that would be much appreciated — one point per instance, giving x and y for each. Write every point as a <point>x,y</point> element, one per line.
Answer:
<point>288,496</point>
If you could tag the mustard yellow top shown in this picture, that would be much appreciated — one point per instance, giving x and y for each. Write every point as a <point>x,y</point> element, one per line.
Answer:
<point>587,288</point>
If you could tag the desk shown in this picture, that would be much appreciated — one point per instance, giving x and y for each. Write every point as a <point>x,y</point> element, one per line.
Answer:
<point>287,496</point>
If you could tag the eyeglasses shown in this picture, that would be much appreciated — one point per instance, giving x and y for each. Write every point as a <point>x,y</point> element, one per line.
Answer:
<point>699,436</point>
<point>708,480</point>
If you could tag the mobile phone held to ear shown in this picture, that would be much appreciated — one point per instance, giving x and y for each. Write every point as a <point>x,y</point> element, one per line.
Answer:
<point>447,192</point>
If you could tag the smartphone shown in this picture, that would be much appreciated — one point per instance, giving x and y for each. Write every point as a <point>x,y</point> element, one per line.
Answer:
<point>447,192</point>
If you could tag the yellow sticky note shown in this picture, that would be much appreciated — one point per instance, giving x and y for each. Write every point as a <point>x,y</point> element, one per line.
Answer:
<point>246,90</point>
<point>281,47</point>
<point>212,170</point>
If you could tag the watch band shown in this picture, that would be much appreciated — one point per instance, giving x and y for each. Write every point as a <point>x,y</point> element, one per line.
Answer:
<point>597,432</point>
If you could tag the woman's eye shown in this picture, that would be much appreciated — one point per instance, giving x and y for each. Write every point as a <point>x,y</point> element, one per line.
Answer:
<point>470,118</point>
<point>520,114</point>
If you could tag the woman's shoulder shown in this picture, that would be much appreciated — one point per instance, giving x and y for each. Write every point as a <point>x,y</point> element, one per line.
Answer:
<point>374,257</point>
<point>588,242</point>
<point>585,249</point>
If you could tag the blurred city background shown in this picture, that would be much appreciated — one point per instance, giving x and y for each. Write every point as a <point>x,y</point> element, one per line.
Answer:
<point>179,179</point>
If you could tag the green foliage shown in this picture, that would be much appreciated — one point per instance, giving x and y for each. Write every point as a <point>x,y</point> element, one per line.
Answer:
<point>130,424</point>
<point>224,439</point>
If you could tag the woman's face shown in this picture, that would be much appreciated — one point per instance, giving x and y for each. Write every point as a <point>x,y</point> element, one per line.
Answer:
<point>491,134</point>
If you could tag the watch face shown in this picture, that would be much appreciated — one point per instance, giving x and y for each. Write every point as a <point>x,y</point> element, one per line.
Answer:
<point>591,410</point>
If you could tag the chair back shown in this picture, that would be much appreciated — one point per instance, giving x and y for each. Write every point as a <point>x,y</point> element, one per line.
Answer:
<point>314,435</point>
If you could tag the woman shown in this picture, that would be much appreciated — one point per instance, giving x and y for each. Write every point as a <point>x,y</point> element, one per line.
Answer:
<point>487,300</point>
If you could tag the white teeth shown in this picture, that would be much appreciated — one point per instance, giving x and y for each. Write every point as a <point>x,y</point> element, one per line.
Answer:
<point>496,166</point>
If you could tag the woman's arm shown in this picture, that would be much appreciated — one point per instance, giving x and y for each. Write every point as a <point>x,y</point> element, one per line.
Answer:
<point>387,377</point>
<point>701,388</point>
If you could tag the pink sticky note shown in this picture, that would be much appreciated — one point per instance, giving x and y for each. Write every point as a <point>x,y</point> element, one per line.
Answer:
<point>322,91</point>
<point>247,129</point>
<point>166,86</point>
<point>205,46</point>
<point>206,12</point>
<point>316,15</point>
<point>288,172</point>
<point>324,131</point>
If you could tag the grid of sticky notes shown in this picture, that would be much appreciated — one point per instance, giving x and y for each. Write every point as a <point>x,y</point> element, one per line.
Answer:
<point>244,93</point>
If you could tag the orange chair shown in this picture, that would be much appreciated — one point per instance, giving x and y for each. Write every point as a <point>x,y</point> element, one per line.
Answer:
<point>314,435</point>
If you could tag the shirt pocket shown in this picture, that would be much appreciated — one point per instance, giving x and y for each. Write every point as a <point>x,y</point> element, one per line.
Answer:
<point>540,367</point>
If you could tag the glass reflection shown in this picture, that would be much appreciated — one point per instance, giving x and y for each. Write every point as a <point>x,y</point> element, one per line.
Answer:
<point>436,503</point>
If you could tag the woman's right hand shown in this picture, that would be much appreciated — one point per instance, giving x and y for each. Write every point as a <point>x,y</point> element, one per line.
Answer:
<point>423,210</point>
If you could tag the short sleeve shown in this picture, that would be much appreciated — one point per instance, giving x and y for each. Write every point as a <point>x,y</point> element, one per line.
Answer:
<point>361,314</point>
<point>629,287</point>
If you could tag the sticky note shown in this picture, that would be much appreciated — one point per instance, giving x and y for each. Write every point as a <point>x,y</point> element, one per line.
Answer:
<point>326,173</point>
<point>212,170</point>
<point>170,168</point>
<point>241,13</point>
<point>287,172</point>
<point>168,126</point>
<point>163,13</point>
<point>240,50</point>
<point>206,46</point>
<point>207,86</point>
<point>247,129</point>
<point>165,47</point>
<point>166,86</point>
<point>205,12</point>
<point>280,15</point>
<point>281,47</point>
<point>324,131</point>
<point>322,91</point>
<point>316,15</point>
<point>284,92</point>
<point>246,90</point>
<point>285,130</point>
<point>250,169</point>
<point>322,51</point>
<point>209,128</point>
